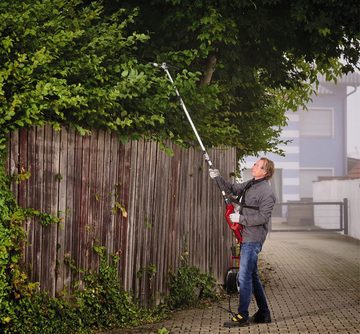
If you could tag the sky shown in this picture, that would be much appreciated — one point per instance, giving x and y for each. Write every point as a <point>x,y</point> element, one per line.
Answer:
<point>353,124</point>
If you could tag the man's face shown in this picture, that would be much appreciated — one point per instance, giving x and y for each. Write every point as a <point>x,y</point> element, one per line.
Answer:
<point>258,171</point>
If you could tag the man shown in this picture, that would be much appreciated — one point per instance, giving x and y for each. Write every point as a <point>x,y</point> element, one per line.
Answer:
<point>256,205</point>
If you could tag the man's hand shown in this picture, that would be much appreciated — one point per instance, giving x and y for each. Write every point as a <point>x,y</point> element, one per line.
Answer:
<point>214,173</point>
<point>235,217</point>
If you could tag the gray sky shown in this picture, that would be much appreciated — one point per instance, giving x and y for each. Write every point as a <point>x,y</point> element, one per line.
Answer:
<point>353,124</point>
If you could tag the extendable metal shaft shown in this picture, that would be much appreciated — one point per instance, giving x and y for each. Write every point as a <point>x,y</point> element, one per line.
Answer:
<point>206,156</point>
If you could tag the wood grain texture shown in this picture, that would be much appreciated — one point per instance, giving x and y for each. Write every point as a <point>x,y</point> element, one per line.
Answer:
<point>139,203</point>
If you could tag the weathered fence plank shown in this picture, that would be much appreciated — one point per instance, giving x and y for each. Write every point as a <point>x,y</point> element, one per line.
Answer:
<point>132,198</point>
<point>62,180</point>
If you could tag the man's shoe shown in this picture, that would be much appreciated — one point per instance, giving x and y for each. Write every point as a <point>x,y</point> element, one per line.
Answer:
<point>260,318</point>
<point>237,321</point>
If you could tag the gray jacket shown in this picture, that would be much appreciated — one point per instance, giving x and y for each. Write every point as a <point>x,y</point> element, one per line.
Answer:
<point>259,195</point>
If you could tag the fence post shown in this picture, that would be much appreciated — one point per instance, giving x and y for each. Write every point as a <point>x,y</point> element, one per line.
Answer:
<point>346,217</point>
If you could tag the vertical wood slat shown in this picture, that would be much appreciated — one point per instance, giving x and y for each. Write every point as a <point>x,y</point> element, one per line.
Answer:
<point>123,192</point>
<point>99,193</point>
<point>131,232</point>
<point>94,200</point>
<point>125,183</point>
<point>112,194</point>
<point>84,213</point>
<point>62,209</point>
<point>54,208</point>
<point>49,242</point>
<point>77,223</point>
<point>37,265</point>
<point>31,200</point>
<point>69,219</point>
<point>23,167</point>
<point>171,203</point>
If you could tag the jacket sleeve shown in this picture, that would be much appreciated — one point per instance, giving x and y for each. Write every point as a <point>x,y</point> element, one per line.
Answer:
<point>231,188</point>
<point>262,216</point>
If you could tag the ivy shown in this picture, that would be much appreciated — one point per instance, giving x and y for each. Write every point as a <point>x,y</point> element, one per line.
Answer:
<point>189,287</point>
<point>45,219</point>
<point>13,281</point>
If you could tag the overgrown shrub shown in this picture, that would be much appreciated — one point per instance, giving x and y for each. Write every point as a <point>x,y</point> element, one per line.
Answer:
<point>104,303</point>
<point>40,313</point>
<point>188,286</point>
<point>99,302</point>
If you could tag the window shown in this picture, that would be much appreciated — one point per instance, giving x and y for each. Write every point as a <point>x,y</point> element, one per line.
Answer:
<point>308,176</point>
<point>316,122</point>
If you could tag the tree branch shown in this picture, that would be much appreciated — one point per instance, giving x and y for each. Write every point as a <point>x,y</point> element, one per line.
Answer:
<point>209,70</point>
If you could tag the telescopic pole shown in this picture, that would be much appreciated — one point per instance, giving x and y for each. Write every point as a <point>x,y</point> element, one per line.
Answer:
<point>229,206</point>
<point>206,156</point>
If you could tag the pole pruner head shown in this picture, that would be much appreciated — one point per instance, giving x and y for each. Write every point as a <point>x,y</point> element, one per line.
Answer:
<point>236,228</point>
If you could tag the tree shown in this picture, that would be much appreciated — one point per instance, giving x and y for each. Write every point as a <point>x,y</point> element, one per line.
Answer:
<point>66,63</point>
<point>254,52</point>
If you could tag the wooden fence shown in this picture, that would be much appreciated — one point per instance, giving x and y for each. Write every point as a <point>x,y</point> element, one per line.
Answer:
<point>133,199</point>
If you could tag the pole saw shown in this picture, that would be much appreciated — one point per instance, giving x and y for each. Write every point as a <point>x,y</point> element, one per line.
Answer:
<point>236,228</point>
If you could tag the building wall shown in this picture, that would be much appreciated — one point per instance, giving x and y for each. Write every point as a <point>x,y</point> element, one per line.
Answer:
<point>327,152</point>
<point>323,155</point>
<point>287,166</point>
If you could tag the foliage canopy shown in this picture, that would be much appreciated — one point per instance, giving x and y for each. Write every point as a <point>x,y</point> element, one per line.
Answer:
<point>263,55</point>
<point>238,65</point>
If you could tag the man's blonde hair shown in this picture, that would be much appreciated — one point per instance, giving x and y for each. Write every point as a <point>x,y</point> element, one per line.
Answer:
<point>269,168</point>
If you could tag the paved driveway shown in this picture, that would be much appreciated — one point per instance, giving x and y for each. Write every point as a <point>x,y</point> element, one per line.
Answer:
<point>312,281</point>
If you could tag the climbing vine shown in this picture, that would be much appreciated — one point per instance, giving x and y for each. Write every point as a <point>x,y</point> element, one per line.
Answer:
<point>13,282</point>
